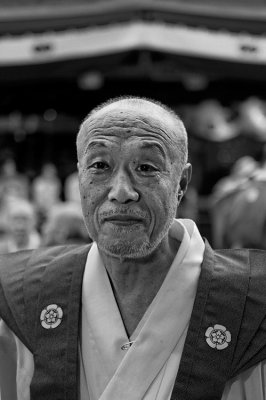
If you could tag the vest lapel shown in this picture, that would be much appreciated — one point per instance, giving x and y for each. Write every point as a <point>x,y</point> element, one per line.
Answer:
<point>56,348</point>
<point>203,369</point>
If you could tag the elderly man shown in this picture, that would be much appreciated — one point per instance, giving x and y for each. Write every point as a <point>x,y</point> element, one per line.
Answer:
<point>148,311</point>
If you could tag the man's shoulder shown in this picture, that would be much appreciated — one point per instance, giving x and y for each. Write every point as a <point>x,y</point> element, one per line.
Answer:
<point>11,263</point>
<point>236,270</point>
<point>250,261</point>
<point>27,276</point>
<point>235,251</point>
<point>25,269</point>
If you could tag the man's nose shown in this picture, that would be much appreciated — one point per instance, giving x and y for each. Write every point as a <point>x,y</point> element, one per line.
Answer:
<point>122,189</point>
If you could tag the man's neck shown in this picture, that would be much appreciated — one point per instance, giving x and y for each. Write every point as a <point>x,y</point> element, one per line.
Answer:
<point>135,282</point>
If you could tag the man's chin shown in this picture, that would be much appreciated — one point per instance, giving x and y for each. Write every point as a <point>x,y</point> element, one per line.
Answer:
<point>125,248</point>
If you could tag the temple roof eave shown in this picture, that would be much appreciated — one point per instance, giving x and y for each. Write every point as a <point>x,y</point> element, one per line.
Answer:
<point>36,19</point>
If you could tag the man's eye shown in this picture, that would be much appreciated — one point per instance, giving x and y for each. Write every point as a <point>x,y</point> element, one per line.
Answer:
<point>99,165</point>
<point>146,168</point>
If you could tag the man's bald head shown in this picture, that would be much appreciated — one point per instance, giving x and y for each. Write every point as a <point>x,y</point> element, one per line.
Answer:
<point>147,109</point>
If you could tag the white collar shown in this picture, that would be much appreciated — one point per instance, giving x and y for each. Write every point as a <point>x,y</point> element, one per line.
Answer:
<point>158,333</point>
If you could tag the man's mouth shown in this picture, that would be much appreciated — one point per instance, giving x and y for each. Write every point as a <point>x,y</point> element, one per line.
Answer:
<point>123,220</point>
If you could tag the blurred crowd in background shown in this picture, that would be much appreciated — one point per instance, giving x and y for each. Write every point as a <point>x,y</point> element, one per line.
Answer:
<point>39,212</point>
<point>236,206</point>
<point>227,195</point>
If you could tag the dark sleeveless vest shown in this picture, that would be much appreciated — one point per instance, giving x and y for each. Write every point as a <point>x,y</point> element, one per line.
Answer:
<point>231,293</point>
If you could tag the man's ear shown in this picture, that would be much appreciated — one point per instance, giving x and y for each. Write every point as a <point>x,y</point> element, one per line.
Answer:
<point>185,178</point>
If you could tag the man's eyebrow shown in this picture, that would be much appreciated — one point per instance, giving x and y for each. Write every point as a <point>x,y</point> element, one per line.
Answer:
<point>152,145</point>
<point>94,144</point>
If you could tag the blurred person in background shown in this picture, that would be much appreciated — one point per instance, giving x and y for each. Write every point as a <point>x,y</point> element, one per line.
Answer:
<point>46,190</point>
<point>20,227</point>
<point>65,225</point>
<point>71,188</point>
<point>243,169</point>
<point>12,183</point>
<point>238,207</point>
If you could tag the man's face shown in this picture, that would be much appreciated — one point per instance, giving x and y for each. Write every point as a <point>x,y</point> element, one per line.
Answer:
<point>128,182</point>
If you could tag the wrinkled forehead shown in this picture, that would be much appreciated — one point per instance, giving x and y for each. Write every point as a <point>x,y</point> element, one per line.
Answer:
<point>125,120</point>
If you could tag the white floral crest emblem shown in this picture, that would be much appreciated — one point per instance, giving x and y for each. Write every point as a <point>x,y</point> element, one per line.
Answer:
<point>218,337</point>
<point>51,316</point>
